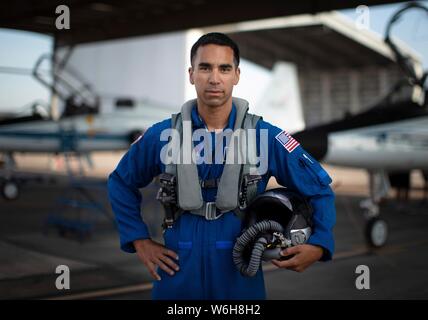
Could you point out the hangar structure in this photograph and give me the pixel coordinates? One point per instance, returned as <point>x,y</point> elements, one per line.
<point>342,69</point>
<point>97,20</point>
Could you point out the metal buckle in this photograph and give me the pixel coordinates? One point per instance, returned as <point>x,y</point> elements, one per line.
<point>211,211</point>
<point>251,179</point>
<point>210,183</point>
<point>167,223</point>
<point>167,179</point>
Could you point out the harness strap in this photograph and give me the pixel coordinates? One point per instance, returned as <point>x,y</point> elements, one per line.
<point>229,198</point>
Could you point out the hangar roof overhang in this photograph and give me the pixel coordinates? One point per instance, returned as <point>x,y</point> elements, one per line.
<point>322,41</point>
<point>97,20</point>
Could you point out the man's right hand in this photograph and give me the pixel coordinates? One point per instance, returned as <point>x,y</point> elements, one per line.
<point>154,254</point>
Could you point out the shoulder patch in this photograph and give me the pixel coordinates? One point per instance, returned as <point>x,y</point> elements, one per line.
<point>287,141</point>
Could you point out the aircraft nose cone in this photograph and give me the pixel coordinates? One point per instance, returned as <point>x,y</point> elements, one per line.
<point>314,141</point>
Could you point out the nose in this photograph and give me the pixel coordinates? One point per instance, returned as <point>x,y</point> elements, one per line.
<point>214,77</point>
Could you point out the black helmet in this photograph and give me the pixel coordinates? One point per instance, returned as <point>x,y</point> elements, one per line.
<point>274,220</point>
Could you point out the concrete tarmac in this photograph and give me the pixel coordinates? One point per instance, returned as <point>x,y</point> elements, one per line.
<point>34,242</point>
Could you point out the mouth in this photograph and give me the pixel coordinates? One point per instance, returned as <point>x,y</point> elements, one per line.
<point>214,92</point>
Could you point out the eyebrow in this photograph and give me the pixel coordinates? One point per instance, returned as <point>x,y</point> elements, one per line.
<point>206,64</point>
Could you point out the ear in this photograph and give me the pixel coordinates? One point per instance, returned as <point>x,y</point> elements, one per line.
<point>191,75</point>
<point>237,76</point>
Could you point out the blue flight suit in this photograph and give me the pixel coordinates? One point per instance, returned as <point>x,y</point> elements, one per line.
<point>205,246</point>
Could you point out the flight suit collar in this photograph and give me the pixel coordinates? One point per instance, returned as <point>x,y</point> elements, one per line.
<point>198,122</point>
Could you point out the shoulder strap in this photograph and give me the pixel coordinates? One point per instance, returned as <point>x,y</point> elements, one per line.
<point>248,180</point>
<point>189,190</point>
<point>251,163</point>
<point>171,168</point>
<point>228,189</point>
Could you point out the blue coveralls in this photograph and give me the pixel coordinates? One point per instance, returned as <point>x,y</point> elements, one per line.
<point>205,246</point>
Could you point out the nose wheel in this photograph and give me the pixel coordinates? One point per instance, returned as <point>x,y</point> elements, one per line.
<point>376,229</point>
<point>10,190</point>
<point>376,232</point>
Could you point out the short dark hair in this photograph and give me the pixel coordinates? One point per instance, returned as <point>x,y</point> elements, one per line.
<point>215,38</point>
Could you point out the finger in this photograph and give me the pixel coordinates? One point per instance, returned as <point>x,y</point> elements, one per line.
<point>164,267</point>
<point>290,251</point>
<point>169,262</point>
<point>279,264</point>
<point>171,253</point>
<point>276,263</point>
<point>288,264</point>
<point>299,269</point>
<point>152,270</point>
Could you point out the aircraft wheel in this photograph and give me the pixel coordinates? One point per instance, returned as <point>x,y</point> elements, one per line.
<point>376,232</point>
<point>10,190</point>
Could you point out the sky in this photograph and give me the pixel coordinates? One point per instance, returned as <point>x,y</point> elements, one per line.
<point>412,28</point>
<point>21,49</point>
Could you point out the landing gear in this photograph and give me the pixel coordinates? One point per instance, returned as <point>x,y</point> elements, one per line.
<point>376,232</point>
<point>10,190</point>
<point>9,187</point>
<point>376,229</point>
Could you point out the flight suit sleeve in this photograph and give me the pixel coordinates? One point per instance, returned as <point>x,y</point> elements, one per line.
<point>136,169</point>
<point>297,170</point>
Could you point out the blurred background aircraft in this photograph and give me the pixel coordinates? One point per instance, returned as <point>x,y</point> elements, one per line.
<point>88,122</point>
<point>391,136</point>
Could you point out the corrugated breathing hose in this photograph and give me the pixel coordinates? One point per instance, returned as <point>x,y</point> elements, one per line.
<point>253,233</point>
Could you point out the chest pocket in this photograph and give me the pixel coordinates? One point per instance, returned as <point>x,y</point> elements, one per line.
<point>314,169</point>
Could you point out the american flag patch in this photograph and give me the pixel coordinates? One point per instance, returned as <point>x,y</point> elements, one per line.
<point>287,141</point>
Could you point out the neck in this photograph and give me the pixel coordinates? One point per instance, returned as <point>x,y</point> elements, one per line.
<point>215,117</point>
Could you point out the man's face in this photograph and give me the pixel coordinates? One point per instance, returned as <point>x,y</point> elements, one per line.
<point>214,74</point>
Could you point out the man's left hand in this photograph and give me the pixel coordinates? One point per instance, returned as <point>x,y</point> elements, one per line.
<point>304,256</point>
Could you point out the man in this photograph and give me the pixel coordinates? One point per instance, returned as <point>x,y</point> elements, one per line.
<point>196,261</point>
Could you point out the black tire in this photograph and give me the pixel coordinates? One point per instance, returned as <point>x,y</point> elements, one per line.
<point>376,232</point>
<point>10,190</point>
